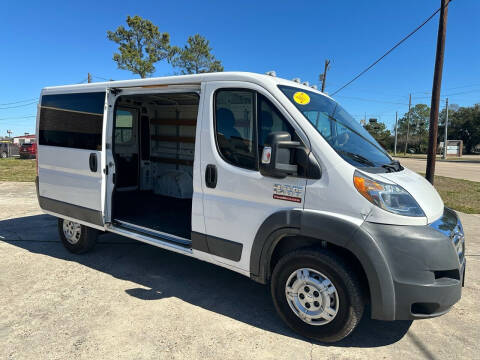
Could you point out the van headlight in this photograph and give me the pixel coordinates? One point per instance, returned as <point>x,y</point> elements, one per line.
<point>389,197</point>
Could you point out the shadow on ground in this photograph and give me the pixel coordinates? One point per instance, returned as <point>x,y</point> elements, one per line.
<point>161,274</point>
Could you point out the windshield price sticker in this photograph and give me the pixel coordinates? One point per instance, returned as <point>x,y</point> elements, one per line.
<point>301,98</point>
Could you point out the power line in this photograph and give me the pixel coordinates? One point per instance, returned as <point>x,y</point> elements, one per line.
<point>449,88</point>
<point>17,106</point>
<point>19,101</point>
<point>389,51</point>
<point>450,94</point>
<point>370,100</point>
<point>101,78</point>
<point>17,117</point>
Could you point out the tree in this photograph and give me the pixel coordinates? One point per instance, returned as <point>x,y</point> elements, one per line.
<point>195,57</point>
<point>380,133</point>
<point>418,129</point>
<point>140,46</point>
<point>464,124</point>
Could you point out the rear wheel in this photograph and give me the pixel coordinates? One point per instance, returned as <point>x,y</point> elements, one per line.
<point>317,294</point>
<point>75,237</point>
<point>3,155</point>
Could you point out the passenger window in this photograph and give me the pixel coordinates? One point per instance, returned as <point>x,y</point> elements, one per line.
<point>124,126</point>
<point>270,120</point>
<point>235,127</point>
<point>321,121</point>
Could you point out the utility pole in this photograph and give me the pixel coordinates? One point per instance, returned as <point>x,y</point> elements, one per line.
<point>89,78</point>
<point>323,77</point>
<point>408,123</point>
<point>396,123</point>
<point>437,84</point>
<point>9,132</point>
<point>445,138</point>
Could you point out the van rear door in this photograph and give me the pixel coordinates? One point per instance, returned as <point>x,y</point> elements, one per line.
<point>69,130</point>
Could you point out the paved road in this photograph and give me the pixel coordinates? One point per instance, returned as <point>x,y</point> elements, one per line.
<point>454,169</point>
<point>129,300</point>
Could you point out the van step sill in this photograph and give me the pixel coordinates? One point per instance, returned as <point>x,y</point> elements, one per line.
<point>177,240</point>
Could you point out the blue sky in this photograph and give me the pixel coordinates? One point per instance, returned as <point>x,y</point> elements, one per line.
<point>58,42</point>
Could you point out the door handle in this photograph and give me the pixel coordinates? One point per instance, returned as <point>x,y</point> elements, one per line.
<point>92,161</point>
<point>211,176</point>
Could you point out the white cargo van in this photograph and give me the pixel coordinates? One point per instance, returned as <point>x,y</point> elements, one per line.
<point>263,176</point>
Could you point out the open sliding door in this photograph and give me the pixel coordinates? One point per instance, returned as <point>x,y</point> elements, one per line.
<point>70,153</point>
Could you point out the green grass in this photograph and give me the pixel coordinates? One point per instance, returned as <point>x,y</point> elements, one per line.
<point>14,169</point>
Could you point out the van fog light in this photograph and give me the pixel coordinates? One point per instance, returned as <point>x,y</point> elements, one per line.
<point>390,197</point>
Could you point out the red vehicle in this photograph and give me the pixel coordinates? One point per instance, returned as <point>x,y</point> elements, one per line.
<point>28,151</point>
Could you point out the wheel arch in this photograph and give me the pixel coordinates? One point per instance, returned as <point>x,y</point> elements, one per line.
<point>308,228</point>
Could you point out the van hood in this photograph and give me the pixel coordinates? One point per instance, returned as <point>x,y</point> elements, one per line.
<point>423,192</point>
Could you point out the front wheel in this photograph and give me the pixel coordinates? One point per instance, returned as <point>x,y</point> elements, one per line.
<point>3,155</point>
<point>77,238</point>
<point>317,294</point>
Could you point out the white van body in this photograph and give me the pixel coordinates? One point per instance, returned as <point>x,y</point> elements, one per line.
<point>103,146</point>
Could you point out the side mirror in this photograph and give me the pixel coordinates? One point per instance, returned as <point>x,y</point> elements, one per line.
<point>282,157</point>
<point>277,155</point>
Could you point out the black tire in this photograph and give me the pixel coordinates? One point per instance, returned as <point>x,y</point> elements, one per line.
<point>3,155</point>
<point>351,302</point>
<point>85,243</point>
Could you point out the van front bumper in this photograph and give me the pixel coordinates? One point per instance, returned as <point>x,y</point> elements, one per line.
<point>426,264</point>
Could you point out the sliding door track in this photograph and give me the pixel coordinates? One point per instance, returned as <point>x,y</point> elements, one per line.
<point>150,236</point>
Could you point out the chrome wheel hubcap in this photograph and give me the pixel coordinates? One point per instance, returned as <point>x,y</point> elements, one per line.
<point>312,296</point>
<point>72,231</point>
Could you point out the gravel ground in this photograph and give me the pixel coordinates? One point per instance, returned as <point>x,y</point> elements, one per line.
<point>129,300</point>
<point>455,169</point>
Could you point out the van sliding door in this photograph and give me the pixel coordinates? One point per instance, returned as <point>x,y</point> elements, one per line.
<point>70,156</point>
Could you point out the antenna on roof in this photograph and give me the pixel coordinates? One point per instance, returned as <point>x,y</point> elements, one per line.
<point>297,80</point>
<point>271,73</point>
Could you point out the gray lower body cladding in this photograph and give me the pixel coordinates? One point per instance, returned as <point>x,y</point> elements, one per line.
<point>425,266</point>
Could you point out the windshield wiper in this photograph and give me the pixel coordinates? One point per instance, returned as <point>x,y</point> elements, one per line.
<point>357,158</point>
<point>394,166</point>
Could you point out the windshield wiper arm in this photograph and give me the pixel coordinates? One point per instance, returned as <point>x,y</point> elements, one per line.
<point>393,166</point>
<point>358,158</point>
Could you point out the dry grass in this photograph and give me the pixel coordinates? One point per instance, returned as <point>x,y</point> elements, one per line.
<point>461,195</point>
<point>14,169</point>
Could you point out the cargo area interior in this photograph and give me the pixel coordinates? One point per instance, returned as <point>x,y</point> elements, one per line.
<point>154,143</point>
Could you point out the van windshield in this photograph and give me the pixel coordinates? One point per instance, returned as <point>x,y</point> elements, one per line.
<point>345,135</point>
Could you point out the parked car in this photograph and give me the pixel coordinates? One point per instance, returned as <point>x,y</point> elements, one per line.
<point>28,151</point>
<point>264,176</point>
<point>8,149</point>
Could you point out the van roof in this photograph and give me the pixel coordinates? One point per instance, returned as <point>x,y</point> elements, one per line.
<point>194,79</point>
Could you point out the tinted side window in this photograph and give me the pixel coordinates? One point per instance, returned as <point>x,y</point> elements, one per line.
<point>270,120</point>
<point>235,127</point>
<point>72,120</point>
